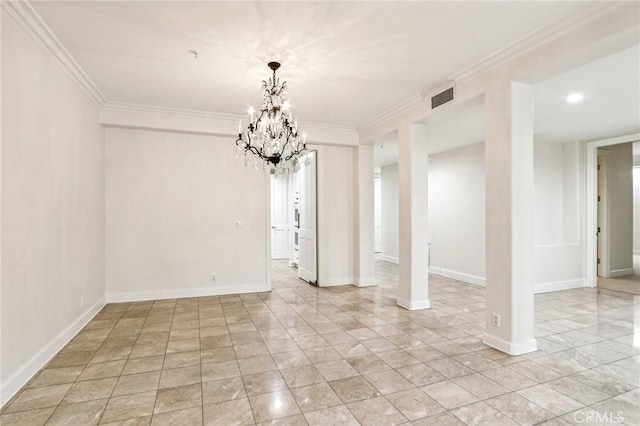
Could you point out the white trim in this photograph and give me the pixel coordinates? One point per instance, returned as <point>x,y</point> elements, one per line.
<point>267,225</point>
<point>127,115</point>
<point>31,22</point>
<point>390,259</point>
<point>511,348</point>
<point>396,110</point>
<point>621,272</point>
<point>365,282</point>
<point>412,306</point>
<point>335,281</point>
<point>602,210</point>
<point>535,39</point>
<point>17,380</point>
<point>591,222</point>
<point>558,285</point>
<point>460,276</point>
<point>214,290</point>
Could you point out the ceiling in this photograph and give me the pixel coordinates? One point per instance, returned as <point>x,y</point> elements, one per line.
<point>345,62</point>
<point>454,127</point>
<point>611,107</point>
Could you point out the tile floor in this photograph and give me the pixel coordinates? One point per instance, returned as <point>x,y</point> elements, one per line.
<point>302,355</point>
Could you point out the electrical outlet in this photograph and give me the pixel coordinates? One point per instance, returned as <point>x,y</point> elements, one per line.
<point>213,278</point>
<point>82,301</point>
<point>495,320</point>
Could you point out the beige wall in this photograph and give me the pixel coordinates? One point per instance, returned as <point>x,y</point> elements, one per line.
<point>457,213</point>
<point>620,207</point>
<point>389,214</point>
<point>172,203</point>
<point>52,208</point>
<point>335,215</point>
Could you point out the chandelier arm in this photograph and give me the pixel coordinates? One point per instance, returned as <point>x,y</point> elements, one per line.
<point>255,151</point>
<point>282,89</point>
<point>273,137</point>
<point>262,112</point>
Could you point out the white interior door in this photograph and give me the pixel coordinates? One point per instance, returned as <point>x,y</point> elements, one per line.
<point>280,225</point>
<point>308,267</point>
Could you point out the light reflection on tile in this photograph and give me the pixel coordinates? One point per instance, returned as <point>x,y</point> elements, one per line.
<point>302,354</point>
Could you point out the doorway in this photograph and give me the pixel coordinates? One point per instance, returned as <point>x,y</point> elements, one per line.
<point>614,185</point>
<point>281,218</point>
<point>292,222</point>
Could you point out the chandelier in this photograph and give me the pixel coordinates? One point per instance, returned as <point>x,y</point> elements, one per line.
<point>271,141</point>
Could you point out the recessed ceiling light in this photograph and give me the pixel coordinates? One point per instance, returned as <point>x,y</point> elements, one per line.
<point>575,98</point>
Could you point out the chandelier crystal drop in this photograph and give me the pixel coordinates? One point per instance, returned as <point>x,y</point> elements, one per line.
<point>272,140</point>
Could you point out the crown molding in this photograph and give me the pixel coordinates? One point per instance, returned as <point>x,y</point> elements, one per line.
<point>519,47</point>
<point>120,114</point>
<point>123,107</point>
<point>536,39</point>
<point>399,109</point>
<point>30,21</point>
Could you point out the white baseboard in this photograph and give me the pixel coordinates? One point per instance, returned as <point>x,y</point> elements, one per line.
<point>557,286</point>
<point>364,282</point>
<point>214,290</point>
<point>389,259</point>
<point>412,306</point>
<point>621,272</point>
<point>460,276</point>
<point>17,380</point>
<point>511,348</point>
<point>335,281</point>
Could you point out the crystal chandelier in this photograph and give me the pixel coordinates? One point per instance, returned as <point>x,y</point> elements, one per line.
<point>272,141</point>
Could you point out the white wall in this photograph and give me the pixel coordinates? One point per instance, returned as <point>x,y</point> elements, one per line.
<point>52,208</point>
<point>335,215</point>
<point>559,216</point>
<point>377,212</point>
<point>389,205</point>
<point>457,213</point>
<point>172,202</point>
<point>620,208</point>
<point>548,178</point>
<point>636,198</point>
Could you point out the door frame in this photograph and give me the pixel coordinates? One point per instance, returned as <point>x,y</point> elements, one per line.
<point>289,203</point>
<point>602,213</point>
<point>591,219</point>
<point>316,156</point>
<point>267,225</point>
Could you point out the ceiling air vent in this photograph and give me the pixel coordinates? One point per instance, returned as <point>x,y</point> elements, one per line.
<point>442,98</point>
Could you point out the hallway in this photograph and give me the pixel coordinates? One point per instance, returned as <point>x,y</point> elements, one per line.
<point>322,356</point>
<point>627,284</point>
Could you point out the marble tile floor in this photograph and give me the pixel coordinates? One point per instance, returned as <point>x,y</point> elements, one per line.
<point>344,355</point>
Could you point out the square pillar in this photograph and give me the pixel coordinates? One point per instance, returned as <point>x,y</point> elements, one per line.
<point>364,217</point>
<point>509,218</point>
<point>413,291</point>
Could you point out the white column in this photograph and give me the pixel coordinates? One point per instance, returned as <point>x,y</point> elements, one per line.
<point>413,291</point>
<point>509,220</point>
<point>364,217</point>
